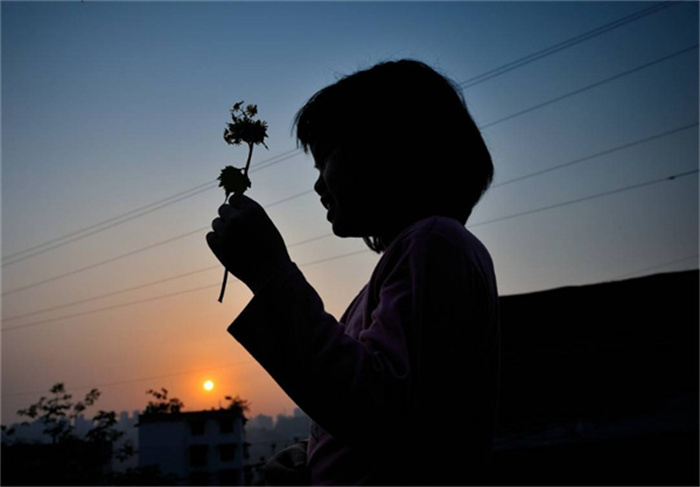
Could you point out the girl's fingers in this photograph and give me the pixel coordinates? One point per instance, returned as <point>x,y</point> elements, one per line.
<point>227,211</point>
<point>217,225</point>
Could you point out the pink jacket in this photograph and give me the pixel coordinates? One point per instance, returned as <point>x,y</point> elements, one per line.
<point>403,389</point>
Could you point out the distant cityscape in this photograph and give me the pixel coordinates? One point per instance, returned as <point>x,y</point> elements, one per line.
<point>265,434</point>
<point>262,436</point>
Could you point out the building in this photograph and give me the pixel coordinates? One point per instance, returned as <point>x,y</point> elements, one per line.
<point>198,448</point>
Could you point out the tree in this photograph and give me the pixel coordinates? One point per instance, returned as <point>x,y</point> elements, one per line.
<point>237,403</point>
<point>162,404</point>
<point>68,459</point>
<point>58,413</point>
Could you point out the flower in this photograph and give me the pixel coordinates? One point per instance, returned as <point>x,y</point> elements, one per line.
<point>243,128</point>
<point>246,130</point>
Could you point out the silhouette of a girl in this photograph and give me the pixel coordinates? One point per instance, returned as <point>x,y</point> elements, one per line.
<point>401,164</point>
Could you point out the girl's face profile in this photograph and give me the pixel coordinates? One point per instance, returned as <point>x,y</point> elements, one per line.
<point>345,191</point>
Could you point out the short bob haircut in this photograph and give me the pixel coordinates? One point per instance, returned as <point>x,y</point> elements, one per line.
<point>415,121</point>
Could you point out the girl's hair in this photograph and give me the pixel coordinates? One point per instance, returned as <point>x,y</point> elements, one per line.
<point>415,121</point>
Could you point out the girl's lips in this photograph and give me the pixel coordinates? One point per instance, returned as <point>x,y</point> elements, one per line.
<point>330,209</point>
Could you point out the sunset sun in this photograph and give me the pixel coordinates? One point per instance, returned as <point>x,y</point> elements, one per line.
<point>208,385</point>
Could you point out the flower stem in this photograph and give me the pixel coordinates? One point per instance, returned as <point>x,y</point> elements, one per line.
<point>223,286</point>
<point>250,156</point>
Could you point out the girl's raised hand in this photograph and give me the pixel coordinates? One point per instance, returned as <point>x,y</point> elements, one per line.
<point>247,243</point>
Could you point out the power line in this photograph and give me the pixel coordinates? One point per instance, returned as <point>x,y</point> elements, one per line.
<point>516,215</point>
<point>540,105</point>
<point>109,308</point>
<point>517,179</point>
<point>134,252</point>
<point>585,198</point>
<point>270,162</point>
<point>157,298</point>
<point>288,154</point>
<point>591,86</point>
<point>113,293</point>
<point>130,215</point>
<point>103,262</point>
<point>145,285</point>
<point>104,225</point>
<point>505,68</point>
<point>527,176</point>
<point>138,212</point>
<point>597,154</point>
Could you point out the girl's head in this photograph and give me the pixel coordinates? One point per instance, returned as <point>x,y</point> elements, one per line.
<point>393,144</point>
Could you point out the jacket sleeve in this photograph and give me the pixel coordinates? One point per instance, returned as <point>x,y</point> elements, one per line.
<point>370,384</point>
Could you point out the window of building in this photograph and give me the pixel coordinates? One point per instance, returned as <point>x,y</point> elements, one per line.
<point>198,455</point>
<point>226,425</point>
<point>246,450</point>
<point>227,451</point>
<point>229,476</point>
<point>197,427</point>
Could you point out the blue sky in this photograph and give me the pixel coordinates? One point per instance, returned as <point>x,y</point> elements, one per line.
<point>108,107</point>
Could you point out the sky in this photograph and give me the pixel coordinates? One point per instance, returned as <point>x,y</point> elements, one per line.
<point>112,123</point>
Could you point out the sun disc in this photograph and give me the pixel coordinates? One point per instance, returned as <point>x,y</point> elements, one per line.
<point>209,385</point>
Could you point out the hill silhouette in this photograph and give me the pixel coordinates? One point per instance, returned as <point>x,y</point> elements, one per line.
<point>622,355</point>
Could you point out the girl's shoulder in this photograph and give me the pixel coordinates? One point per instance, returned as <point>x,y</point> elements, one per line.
<point>433,243</point>
<point>437,232</point>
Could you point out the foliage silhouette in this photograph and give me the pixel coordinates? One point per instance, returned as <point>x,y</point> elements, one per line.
<point>161,404</point>
<point>70,458</point>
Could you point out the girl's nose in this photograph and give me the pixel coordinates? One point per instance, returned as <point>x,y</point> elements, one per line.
<point>320,185</point>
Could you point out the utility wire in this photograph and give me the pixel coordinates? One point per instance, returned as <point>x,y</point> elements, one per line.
<point>145,285</point>
<point>134,252</point>
<point>486,222</point>
<point>618,148</point>
<point>513,180</point>
<point>113,293</point>
<point>591,86</point>
<point>117,220</point>
<point>283,156</point>
<point>466,84</point>
<point>559,98</point>
<point>130,215</point>
<point>493,73</point>
<point>103,262</point>
<point>245,362</point>
<point>527,176</point>
<point>597,154</point>
<point>157,298</point>
<point>585,198</point>
<point>102,226</point>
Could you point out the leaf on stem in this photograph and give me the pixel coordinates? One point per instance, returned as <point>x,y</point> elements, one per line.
<point>233,180</point>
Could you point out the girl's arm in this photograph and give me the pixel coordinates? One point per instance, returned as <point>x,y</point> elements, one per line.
<point>410,356</point>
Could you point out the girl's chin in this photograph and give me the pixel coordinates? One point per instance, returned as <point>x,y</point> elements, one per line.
<point>345,229</point>
<point>354,225</point>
